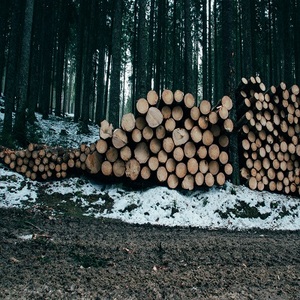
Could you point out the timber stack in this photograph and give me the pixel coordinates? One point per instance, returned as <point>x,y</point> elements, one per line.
<point>170,141</point>
<point>41,162</point>
<point>269,132</point>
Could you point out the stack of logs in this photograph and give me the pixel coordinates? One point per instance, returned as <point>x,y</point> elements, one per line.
<point>170,141</point>
<point>40,162</point>
<point>269,130</point>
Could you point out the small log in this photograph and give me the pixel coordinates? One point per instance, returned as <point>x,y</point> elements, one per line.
<point>205,107</point>
<point>119,138</point>
<point>145,172</point>
<point>125,153</point>
<point>167,97</point>
<point>142,106</point>
<point>119,168</point>
<point>106,130</point>
<point>152,97</point>
<point>189,100</point>
<point>178,96</point>
<point>178,154</point>
<point>132,169</point>
<point>93,163</point>
<point>162,174</point>
<point>141,152</point>
<point>188,182</point>
<point>172,181</point>
<point>106,168</point>
<point>180,136</point>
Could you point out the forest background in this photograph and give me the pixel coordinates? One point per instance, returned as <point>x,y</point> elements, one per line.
<point>93,59</point>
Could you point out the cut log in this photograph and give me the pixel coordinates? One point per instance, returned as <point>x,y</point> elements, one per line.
<point>133,169</point>
<point>189,100</point>
<point>168,144</point>
<point>171,165</point>
<point>136,135</point>
<point>188,182</point>
<point>178,154</point>
<point>180,136</point>
<point>196,134</point>
<point>205,107</point>
<point>106,168</point>
<point>152,97</point>
<point>177,113</point>
<point>128,122</point>
<point>153,163</point>
<point>145,172</point>
<point>172,181</point>
<point>119,138</point>
<point>160,132</point>
<point>93,163</point>
<point>119,168</point>
<point>155,145</point>
<point>106,130</point>
<point>141,153</point>
<point>112,154</point>
<point>147,133</point>
<point>167,97</point>
<point>162,174</point>
<point>178,96</point>
<point>125,153</point>
<point>142,106</point>
<point>154,117</point>
<point>181,170</point>
<point>189,149</point>
<point>140,123</point>
<point>170,125</point>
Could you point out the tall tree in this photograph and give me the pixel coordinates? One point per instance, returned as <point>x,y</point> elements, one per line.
<point>11,74</point>
<point>229,73</point>
<point>114,102</point>
<point>20,118</point>
<point>142,53</point>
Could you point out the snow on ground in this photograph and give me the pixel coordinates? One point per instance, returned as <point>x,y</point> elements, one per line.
<point>231,207</point>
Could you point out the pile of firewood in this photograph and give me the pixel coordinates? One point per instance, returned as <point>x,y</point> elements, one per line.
<point>41,162</point>
<point>269,127</point>
<point>171,140</point>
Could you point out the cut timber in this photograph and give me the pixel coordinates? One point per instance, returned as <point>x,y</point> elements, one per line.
<point>205,107</point>
<point>177,113</point>
<point>106,168</point>
<point>145,172</point>
<point>188,182</point>
<point>93,162</point>
<point>189,100</point>
<point>178,154</point>
<point>101,146</point>
<point>136,135</point>
<point>112,154</point>
<point>160,132</point>
<point>180,136</point>
<point>178,96</point>
<point>167,97</point>
<point>166,112</point>
<point>192,166</point>
<point>228,125</point>
<point>142,106</point>
<point>128,122</point>
<point>119,168</point>
<point>141,152</point>
<point>119,138</point>
<point>168,144</point>
<point>196,134</point>
<point>189,149</point>
<point>172,181</point>
<point>162,174</point>
<point>152,97</point>
<point>133,169</point>
<point>106,130</point>
<point>170,124</point>
<point>125,153</point>
<point>207,138</point>
<point>181,170</point>
<point>209,180</point>
<point>171,165</point>
<point>155,145</point>
<point>140,123</point>
<point>147,133</point>
<point>199,179</point>
<point>154,117</point>
<point>195,113</point>
<point>153,163</point>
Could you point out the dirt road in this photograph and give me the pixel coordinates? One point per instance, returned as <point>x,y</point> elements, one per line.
<point>45,257</point>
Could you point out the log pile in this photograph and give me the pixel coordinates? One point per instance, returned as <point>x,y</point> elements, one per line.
<point>40,162</point>
<point>269,131</point>
<point>171,141</point>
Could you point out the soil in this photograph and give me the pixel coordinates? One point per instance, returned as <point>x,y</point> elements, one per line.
<point>65,257</point>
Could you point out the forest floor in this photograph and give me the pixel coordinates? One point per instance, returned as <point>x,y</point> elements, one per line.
<point>71,257</point>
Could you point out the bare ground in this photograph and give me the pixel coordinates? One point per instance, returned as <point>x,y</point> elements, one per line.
<point>83,258</point>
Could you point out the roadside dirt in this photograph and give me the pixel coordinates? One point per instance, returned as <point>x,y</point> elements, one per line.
<point>46,257</point>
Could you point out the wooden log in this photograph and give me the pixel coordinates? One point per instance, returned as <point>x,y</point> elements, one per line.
<point>166,112</point>
<point>142,106</point>
<point>213,151</point>
<point>188,124</point>
<point>207,138</point>
<point>192,166</point>
<point>177,113</point>
<point>178,96</point>
<point>220,179</point>
<point>196,134</point>
<point>209,179</point>
<point>180,136</point>
<point>155,145</point>
<point>170,165</point>
<point>188,182</point>
<point>181,170</point>
<point>106,130</point>
<point>152,97</point>
<point>178,154</point>
<point>93,163</point>
<point>205,107</point>
<point>132,169</point>
<point>154,117</point>
<point>162,156</point>
<point>118,168</point>
<point>189,149</point>
<point>170,125</point>
<point>203,166</point>
<point>136,135</point>
<point>112,154</point>
<point>125,153</point>
<point>141,153</point>
<point>203,122</point>
<point>106,168</point>
<point>160,132</point>
<point>167,97</point>
<point>119,138</point>
<point>189,100</point>
<point>140,123</point>
<point>145,172</point>
<point>202,152</point>
<point>195,113</point>
<point>147,133</point>
<point>128,122</point>
<point>162,174</point>
<point>168,144</point>
<point>153,163</point>
<point>172,181</point>
<point>199,179</point>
